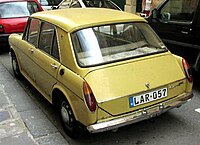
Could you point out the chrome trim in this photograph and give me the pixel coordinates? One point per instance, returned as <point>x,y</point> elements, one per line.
<point>141,114</point>
<point>4,35</point>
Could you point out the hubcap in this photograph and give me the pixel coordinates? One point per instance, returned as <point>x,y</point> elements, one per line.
<point>65,115</point>
<point>14,64</point>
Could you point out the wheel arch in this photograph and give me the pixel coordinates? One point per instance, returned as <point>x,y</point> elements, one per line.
<point>17,71</point>
<point>12,52</point>
<point>59,93</point>
<point>78,106</point>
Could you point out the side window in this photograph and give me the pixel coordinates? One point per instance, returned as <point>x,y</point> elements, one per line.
<point>32,7</point>
<point>33,31</point>
<point>48,40</point>
<point>54,51</point>
<point>46,37</point>
<point>179,10</point>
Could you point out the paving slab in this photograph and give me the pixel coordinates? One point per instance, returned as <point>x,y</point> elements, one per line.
<point>12,128</point>
<point>22,122</point>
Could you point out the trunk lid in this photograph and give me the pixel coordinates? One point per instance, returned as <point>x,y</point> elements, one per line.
<point>113,86</point>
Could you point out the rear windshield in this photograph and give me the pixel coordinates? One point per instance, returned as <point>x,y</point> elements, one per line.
<point>116,42</point>
<point>17,9</point>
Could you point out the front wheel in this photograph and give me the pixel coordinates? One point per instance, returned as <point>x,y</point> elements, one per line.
<point>68,120</point>
<point>15,66</point>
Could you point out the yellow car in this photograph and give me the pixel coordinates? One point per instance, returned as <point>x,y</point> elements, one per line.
<point>102,68</point>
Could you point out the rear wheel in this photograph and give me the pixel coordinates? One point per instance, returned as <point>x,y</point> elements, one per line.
<point>68,120</point>
<point>15,66</point>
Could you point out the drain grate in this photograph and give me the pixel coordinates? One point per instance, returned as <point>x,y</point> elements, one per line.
<point>4,115</point>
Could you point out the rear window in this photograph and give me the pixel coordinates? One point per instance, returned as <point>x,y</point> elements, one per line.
<point>116,42</point>
<point>17,9</point>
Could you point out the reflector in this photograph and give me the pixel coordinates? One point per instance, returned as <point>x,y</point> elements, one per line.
<point>188,70</point>
<point>89,97</point>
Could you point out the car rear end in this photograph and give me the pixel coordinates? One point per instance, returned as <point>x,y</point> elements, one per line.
<point>13,17</point>
<point>133,76</point>
<point>132,92</point>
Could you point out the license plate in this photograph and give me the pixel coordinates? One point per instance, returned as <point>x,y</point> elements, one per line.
<point>147,97</point>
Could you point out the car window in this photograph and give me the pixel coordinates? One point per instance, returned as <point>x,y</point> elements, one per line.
<point>55,51</point>
<point>46,37</point>
<point>17,9</point>
<point>75,4</point>
<point>88,3</point>
<point>33,31</point>
<point>48,40</point>
<point>44,2</point>
<point>110,43</point>
<point>179,10</point>
<point>100,4</point>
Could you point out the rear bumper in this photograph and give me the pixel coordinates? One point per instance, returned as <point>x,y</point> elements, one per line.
<point>140,115</point>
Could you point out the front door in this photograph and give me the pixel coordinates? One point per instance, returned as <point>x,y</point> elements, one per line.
<point>175,25</point>
<point>30,42</point>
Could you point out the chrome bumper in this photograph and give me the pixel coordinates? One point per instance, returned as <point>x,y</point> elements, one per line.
<point>140,115</point>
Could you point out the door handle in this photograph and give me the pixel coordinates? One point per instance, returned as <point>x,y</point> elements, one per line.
<point>31,50</point>
<point>54,66</point>
<point>186,30</point>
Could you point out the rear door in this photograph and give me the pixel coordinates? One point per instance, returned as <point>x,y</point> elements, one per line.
<point>47,59</point>
<point>175,25</point>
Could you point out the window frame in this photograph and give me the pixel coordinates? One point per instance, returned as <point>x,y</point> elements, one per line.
<point>168,14</point>
<point>54,36</point>
<point>74,34</point>
<point>27,31</point>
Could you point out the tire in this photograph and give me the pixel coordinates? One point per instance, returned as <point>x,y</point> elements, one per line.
<point>68,120</point>
<point>15,67</point>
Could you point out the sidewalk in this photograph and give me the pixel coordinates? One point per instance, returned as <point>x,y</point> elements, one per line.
<point>21,121</point>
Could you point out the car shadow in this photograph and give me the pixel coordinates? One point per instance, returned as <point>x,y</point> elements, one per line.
<point>196,78</point>
<point>142,132</point>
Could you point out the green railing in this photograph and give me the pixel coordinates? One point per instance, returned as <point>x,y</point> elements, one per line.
<point>120,3</point>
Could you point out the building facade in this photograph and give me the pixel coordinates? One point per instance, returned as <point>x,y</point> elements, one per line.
<point>136,3</point>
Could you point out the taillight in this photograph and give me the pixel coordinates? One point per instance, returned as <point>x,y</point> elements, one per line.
<point>89,97</point>
<point>188,70</point>
<point>1,29</point>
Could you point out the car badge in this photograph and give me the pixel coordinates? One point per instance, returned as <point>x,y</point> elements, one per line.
<point>147,85</point>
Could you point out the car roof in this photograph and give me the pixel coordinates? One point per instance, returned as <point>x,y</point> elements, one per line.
<point>77,18</point>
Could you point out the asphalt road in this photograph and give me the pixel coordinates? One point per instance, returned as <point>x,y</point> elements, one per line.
<point>179,126</point>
